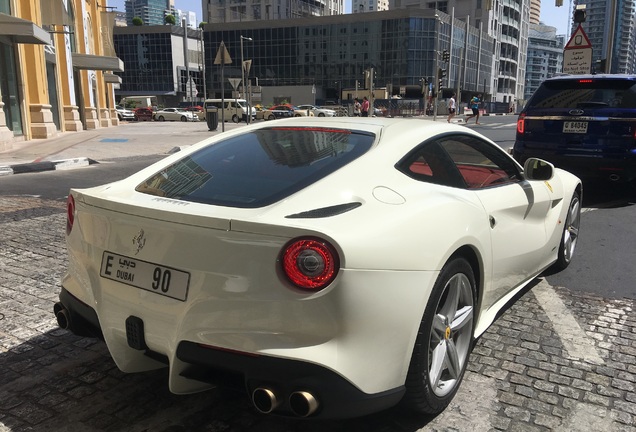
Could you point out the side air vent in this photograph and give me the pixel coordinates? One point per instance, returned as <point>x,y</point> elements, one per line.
<point>325,211</point>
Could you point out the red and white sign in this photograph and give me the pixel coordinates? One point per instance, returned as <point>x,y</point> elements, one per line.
<point>577,54</point>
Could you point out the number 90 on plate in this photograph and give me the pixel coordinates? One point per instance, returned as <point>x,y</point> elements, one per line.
<point>145,275</point>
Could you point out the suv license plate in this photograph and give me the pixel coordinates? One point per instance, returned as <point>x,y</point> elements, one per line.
<point>147,276</point>
<point>574,127</point>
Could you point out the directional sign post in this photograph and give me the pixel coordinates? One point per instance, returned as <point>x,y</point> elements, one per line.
<point>222,58</point>
<point>577,54</point>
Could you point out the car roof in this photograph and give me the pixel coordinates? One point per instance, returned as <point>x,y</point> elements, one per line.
<point>593,77</point>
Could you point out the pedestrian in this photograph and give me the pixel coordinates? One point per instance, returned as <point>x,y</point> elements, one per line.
<point>474,104</point>
<point>452,109</point>
<point>365,107</point>
<point>356,107</point>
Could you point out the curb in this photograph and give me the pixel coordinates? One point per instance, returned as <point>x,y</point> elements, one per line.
<point>32,167</point>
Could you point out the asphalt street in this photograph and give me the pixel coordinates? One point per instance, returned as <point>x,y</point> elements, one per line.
<point>556,360</point>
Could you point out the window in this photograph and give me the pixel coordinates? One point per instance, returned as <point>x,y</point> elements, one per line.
<point>460,161</point>
<point>258,168</point>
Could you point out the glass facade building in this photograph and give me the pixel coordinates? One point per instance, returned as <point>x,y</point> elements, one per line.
<point>155,61</point>
<point>402,46</point>
<point>151,12</point>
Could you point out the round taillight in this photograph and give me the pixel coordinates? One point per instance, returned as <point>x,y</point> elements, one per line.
<point>70,213</point>
<point>310,263</point>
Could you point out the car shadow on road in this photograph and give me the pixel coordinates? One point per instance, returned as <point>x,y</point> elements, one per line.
<point>57,381</point>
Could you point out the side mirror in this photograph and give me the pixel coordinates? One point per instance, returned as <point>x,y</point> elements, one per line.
<point>538,169</point>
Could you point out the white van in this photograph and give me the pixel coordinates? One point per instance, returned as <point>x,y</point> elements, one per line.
<point>235,109</point>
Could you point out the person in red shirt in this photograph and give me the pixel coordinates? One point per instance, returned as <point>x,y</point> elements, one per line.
<point>365,107</point>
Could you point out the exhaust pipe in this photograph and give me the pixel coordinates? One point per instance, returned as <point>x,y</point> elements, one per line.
<point>62,315</point>
<point>303,403</point>
<point>265,400</point>
<point>614,177</point>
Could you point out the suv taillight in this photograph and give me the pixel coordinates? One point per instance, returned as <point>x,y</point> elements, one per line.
<point>521,123</point>
<point>310,263</point>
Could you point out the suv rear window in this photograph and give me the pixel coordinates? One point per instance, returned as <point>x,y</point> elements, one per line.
<point>258,168</point>
<point>585,93</point>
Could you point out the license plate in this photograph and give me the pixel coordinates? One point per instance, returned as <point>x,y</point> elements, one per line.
<point>575,127</point>
<point>144,275</point>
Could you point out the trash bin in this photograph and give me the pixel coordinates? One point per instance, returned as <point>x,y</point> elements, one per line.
<point>212,118</point>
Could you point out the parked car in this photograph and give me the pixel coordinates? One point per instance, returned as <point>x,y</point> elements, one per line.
<point>318,111</point>
<point>175,114</point>
<point>278,111</point>
<point>124,114</point>
<point>259,112</point>
<point>197,110</point>
<point>235,110</point>
<point>299,258</point>
<point>583,124</point>
<point>143,114</point>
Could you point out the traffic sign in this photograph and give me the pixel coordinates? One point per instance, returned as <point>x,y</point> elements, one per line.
<point>222,55</point>
<point>577,54</point>
<point>247,64</point>
<point>234,81</point>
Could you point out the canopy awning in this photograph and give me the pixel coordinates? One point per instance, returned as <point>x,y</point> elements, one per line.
<point>111,78</point>
<point>23,31</point>
<point>95,62</point>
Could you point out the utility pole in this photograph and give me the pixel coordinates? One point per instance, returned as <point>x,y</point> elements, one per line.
<point>185,56</point>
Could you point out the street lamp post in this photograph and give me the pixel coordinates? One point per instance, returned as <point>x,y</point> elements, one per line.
<point>249,108</point>
<point>436,66</point>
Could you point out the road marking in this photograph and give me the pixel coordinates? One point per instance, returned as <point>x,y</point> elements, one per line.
<point>584,416</point>
<point>473,405</point>
<point>574,339</point>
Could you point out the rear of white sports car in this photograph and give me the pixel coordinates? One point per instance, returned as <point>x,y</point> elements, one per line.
<point>253,276</point>
<point>308,263</point>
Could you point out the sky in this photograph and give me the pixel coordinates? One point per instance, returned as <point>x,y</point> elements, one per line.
<point>556,16</point>
<point>550,14</point>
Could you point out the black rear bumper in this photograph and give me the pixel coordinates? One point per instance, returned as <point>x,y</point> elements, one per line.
<point>337,397</point>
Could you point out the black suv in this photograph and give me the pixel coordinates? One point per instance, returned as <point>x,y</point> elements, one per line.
<point>585,124</point>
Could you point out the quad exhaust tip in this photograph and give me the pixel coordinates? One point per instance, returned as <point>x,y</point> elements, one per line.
<point>265,400</point>
<point>62,316</point>
<point>303,403</point>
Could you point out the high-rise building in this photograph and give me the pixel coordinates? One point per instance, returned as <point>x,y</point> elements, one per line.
<point>359,6</point>
<point>221,11</point>
<point>151,12</point>
<point>504,20</point>
<point>619,33</point>
<point>335,53</point>
<point>535,11</point>
<point>545,56</point>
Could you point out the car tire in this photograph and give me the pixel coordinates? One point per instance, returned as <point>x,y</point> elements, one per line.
<point>321,114</point>
<point>161,118</point>
<point>184,119</point>
<point>444,340</point>
<point>271,117</point>
<point>235,118</point>
<point>570,235</point>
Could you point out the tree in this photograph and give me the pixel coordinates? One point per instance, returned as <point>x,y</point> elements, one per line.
<point>201,24</point>
<point>137,21</point>
<point>170,19</point>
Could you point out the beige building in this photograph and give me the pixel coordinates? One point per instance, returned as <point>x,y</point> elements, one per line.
<point>56,64</point>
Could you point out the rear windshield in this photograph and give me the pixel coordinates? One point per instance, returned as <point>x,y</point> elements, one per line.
<point>258,168</point>
<point>585,93</point>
